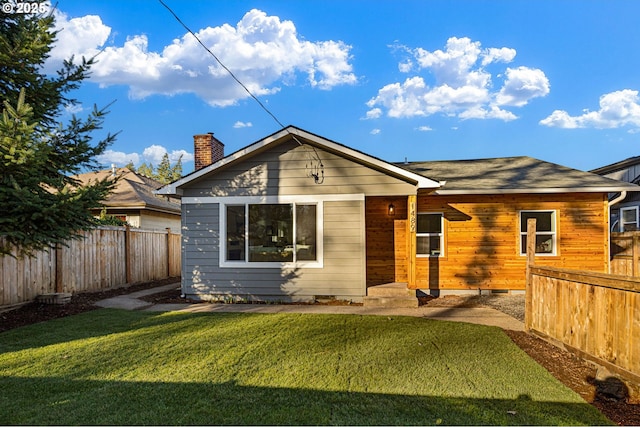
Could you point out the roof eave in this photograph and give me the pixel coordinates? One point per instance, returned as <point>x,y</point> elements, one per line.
<point>614,167</point>
<point>444,192</point>
<point>143,206</point>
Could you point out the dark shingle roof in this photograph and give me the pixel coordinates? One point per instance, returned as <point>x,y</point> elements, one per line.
<point>512,175</point>
<point>603,170</point>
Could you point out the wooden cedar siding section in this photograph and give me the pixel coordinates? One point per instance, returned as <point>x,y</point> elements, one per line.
<point>284,169</point>
<point>386,240</point>
<point>482,237</point>
<point>342,275</point>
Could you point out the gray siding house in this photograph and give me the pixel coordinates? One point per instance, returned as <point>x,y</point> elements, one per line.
<point>624,207</point>
<point>297,217</point>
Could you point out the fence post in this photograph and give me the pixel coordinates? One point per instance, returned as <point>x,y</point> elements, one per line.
<point>169,254</point>
<point>531,256</point>
<point>127,253</point>
<point>635,255</point>
<point>58,268</point>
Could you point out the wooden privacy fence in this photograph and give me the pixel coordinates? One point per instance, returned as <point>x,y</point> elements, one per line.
<point>107,257</point>
<point>594,315</point>
<point>625,253</point>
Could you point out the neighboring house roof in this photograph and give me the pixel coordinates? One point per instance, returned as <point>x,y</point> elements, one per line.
<point>513,175</point>
<point>627,170</point>
<point>613,167</point>
<point>133,191</point>
<point>480,176</point>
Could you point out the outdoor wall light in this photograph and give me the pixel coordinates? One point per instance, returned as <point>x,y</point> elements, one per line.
<point>392,209</point>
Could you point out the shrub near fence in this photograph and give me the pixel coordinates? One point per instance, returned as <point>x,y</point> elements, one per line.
<point>107,257</point>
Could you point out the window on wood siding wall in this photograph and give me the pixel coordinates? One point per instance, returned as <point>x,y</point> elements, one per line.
<point>545,231</point>
<point>429,235</point>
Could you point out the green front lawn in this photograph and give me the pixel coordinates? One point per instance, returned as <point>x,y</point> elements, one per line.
<point>122,367</point>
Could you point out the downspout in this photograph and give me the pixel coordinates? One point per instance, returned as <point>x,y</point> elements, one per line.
<point>618,199</point>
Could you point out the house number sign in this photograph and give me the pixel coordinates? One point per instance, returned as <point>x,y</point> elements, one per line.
<point>412,217</point>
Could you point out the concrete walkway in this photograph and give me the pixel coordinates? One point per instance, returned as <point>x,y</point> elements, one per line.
<point>478,315</point>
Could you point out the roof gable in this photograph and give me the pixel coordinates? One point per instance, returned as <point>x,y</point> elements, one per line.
<point>302,137</point>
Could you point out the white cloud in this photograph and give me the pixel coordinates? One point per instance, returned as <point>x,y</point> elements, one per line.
<point>174,155</point>
<point>82,36</point>
<point>617,109</point>
<point>73,109</point>
<point>374,113</point>
<point>462,85</point>
<point>239,125</point>
<point>521,85</point>
<point>261,50</point>
<point>424,128</point>
<point>119,158</point>
<point>405,67</point>
<point>492,113</point>
<point>152,154</point>
<point>493,54</point>
<point>375,131</point>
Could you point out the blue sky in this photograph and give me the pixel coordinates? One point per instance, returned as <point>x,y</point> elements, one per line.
<point>423,80</point>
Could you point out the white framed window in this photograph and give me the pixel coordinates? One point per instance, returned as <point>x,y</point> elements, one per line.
<point>629,219</point>
<point>429,234</point>
<point>269,232</point>
<point>545,232</point>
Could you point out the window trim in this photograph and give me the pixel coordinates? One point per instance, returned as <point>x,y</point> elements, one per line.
<point>621,222</point>
<point>553,232</point>
<point>246,201</point>
<point>441,234</point>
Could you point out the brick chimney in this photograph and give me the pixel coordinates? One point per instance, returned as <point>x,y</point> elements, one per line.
<point>206,150</point>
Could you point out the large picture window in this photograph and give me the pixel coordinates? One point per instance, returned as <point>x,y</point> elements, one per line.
<point>429,235</point>
<point>271,233</point>
<point>545,231</point>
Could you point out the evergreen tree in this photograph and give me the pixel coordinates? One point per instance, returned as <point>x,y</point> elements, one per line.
<point>41,205</point>
<point>107,219</point>
<point>176,171</point>
<point>163,172</point>
<point>145,170</point>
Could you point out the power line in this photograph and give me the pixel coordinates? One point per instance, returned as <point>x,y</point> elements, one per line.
<point>318,170</point>
<point>221,64</point>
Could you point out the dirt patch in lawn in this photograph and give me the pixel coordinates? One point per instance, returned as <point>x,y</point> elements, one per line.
<point>567,368</point>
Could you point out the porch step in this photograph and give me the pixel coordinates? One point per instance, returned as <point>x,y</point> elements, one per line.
<point>394,295</point>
